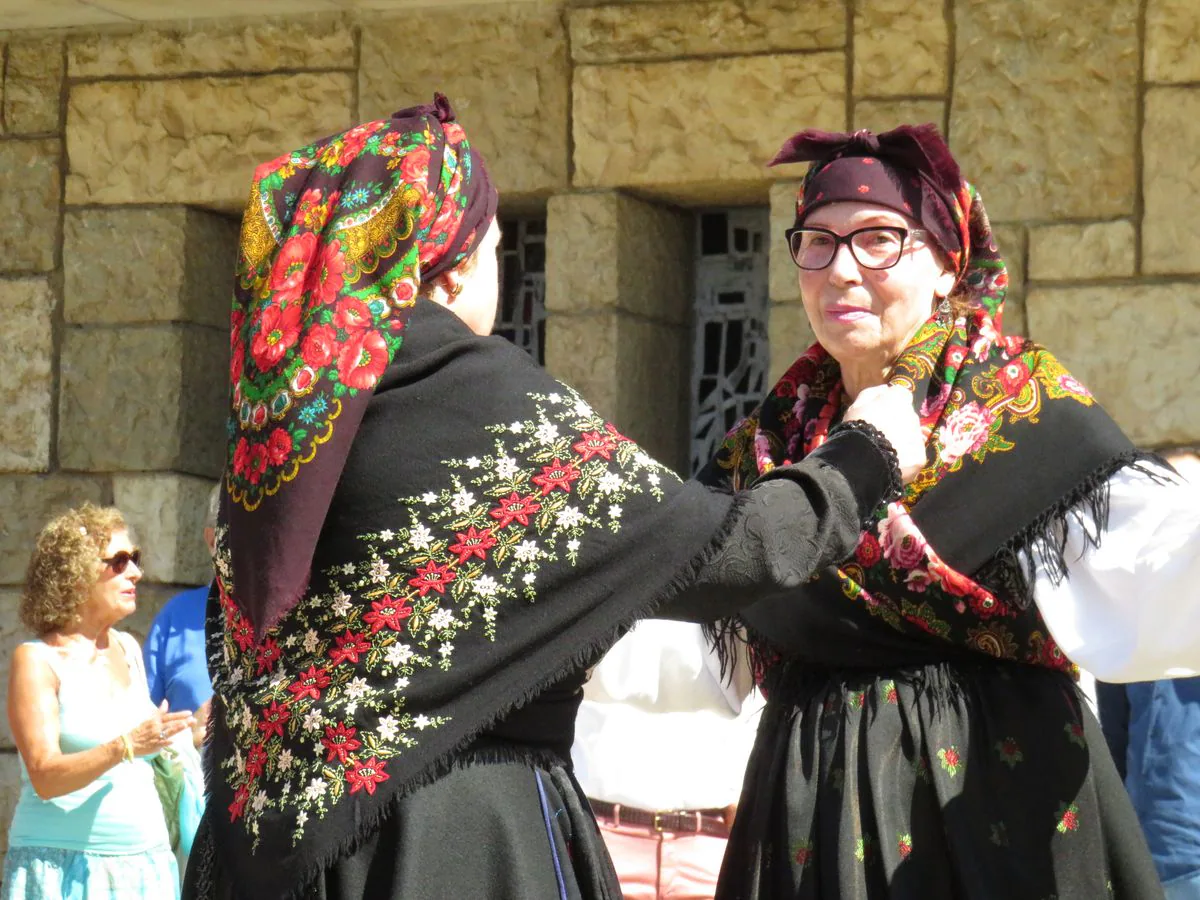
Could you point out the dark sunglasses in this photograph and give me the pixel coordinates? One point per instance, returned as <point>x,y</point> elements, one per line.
<point>120,560</point>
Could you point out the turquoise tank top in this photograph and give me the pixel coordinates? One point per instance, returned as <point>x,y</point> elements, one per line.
<point>117,813</point>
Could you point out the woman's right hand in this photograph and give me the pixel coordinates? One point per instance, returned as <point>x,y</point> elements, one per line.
<point>890,409</point>
<point>156,732</point>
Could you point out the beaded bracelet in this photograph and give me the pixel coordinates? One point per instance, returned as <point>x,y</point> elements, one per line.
<point>895,488</point>
<point>127,755</point>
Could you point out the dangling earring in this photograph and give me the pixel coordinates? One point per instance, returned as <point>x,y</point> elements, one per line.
<point>454,292</point>
<point>943,310</point>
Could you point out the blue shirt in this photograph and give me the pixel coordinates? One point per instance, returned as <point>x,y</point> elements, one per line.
<point>174,652</point>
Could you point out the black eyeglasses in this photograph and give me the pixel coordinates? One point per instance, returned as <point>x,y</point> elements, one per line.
<point>877,247</point>
<point>120,560</point>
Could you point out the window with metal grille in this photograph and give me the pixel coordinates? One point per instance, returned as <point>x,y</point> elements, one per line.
<point>521,316</point>
<point>730,349</point>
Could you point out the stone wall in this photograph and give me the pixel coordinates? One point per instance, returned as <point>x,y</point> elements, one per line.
<point>126,152</point>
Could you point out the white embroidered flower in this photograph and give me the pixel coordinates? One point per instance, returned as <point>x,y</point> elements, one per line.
<point>285,760</point>
<point>526,551</point>
<point>259,801</point>
<point>399,654</point>
<point>388,727</point>
<point>387,534</point>
<point>312,721</point>
<point>315,789</point>
<point>644,459</point>
<point>530,577</point>
<point>568,517</point>
<point>445,650</point>
<point>247,717</point>
<point>555,398</point>
<point>462,502</point>
<point>312,640</point>
<point>351,707</point>
<point>614,511</point>
<point>341,604</point>
<point>582,409</point>
<point>357,688</point>
<point>301,818</point>
<point>236,676</point>
<point>486,586</point>
<point>318,748</point>
<point>348,569</point>
<point>422,722</point>
<point>610,483</point>
<point>238,762</point>
<point>516,427</point>
<point>429,497</point>
<point>441,618</point>
<point>420,537</point>
<point>573,545</point>
<point>401,683</point>
<point>291,640</point>
<point>489,614</point>
<point>506,467</point>
<point>546,433</point>
<point>379,571</point>
<point>653,478</point>
<point>473,463</point>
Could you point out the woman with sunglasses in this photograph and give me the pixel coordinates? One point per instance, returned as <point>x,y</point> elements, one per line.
<point>88,822</point>
<point>924,736</point>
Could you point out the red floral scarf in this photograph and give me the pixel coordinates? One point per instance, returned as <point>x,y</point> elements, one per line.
<point>1015,443</point>
<point>336,240</point>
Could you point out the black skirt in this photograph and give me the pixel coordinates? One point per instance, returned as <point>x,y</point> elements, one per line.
<point>938,782</point>
<point>502,830</point>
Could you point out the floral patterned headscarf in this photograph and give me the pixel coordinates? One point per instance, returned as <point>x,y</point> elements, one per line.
<point>336,240</point>
<point>951,558</point>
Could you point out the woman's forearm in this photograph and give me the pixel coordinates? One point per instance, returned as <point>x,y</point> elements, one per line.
<point>62,773</point>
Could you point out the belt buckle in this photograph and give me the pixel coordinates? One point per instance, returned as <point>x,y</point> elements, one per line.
<point>657,824</point>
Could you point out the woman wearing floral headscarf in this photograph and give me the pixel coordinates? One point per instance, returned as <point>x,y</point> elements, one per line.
<point>424,540</point>
<point>923,736</point>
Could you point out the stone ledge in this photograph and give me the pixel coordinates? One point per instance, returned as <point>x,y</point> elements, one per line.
<point>1171,238</point>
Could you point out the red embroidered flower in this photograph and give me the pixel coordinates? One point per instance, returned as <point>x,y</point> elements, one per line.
<point>243,633</point>
<point>319,345</point>
<point>802,853</point>
<point>904,845</point>
<point>473,543</point>
<point>310,684</point>
<point>955,356</point>
<point>593,443</point>
<point>267,655</point>
<point>366,774</point>
<point>353,315</point>
<point>279,446</point>
<point>867,552</point>
<point>864,189</point>
<point>237,360</point>
<point>238,807</point>
<point>414,167</point>
<point>327,274</point>
<point>241,457</point>
<point>514,508</point>
<point>403,291</point>
<point>274,718</point>
<point>352,145</point>
<point>432,578</point>
<point>258,463</point>
<point>362,360</point>
<point>1068,818</point>
<point>349,647</point>
<point>278,329</point>
<point>1009,752</point>
<point>387,613</point>
<point>291,268</point>
<point>613,433</point>
<point>556,475</point>
<point>255,760</point>
<point>1014,375</point>
<point>950,759</point>
<point>340,742</point>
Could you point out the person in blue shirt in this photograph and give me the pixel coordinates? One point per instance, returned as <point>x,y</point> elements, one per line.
<point>1153,731</point>
<point>174,650</point>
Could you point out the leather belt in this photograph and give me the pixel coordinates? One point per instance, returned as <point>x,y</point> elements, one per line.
<point>677,821</point>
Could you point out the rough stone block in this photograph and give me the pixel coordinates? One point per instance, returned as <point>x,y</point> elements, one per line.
<point>30,188</point>
<point>148,265</point>
<point>1011,239</point>
<point>1172,52</point>
<point>783,284</point>
<point>167,511</point>
<point>884,115</point>
<point>1044,112</point>
<point>197,140</point>
<point>611,358</point>
<point>144,399</point>
<point>900,47</point>
<point>260,46</point>
<point>27,386</point>
<point>1120,341</point>
<point>512,99</point>
<point>33,86</point>
<point>1170,233</point>
<point>10,791</point>
<point>665,125</point>
<point>608,250</point>
<point>790,335</point>
<point>643,32</point>
<point>1081,252</point>
<point>35,499</point>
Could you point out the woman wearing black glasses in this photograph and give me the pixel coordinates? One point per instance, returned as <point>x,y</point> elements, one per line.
<point>88,822</point>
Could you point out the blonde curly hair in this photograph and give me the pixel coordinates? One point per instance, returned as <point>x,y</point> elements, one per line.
<point>65,564</point>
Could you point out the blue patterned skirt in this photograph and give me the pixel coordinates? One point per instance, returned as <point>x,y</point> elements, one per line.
<point>50,873</point>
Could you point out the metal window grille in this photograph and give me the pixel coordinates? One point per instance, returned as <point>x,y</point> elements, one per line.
<point>730,348</point>
<point>521,315</point>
